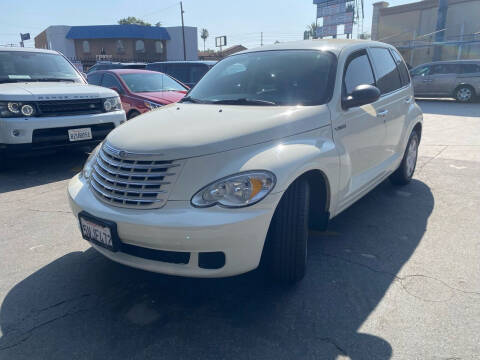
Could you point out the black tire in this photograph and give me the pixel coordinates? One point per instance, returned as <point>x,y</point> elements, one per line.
<point>132,114</point>
<point>403,175</point>
<point>464,94</point>
<point>288,235</point>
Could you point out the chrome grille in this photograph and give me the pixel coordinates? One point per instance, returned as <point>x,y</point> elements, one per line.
<point>132,180</point>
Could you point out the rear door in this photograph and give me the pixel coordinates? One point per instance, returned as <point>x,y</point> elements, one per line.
<point>393,103</point>
<point>443,78</point>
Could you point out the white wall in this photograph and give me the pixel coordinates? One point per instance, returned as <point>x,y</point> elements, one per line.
<point>56,40</point>
<point>175,44</point>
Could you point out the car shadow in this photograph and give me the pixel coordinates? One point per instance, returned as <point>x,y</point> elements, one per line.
<point>39,169</point>
<point>448,107</point>
<point>83,306</point>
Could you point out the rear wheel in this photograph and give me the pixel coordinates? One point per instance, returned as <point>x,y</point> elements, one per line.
<point>288,235</point>
<point>132,114</point>
<point>464,93</point>
<point>404,173</point>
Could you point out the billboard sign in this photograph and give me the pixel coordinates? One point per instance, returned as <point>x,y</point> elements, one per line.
<point>334,13</point>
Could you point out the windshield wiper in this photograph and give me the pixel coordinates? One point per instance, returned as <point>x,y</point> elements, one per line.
<point>244,101</point>
<point>53,79</point>
<point>192,100</point>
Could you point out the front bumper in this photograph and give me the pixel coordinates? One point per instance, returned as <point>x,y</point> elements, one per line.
<point>238,233</point>
<point>25,128</point>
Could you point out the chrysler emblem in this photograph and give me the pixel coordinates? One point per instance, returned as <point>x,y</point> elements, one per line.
<point>122,154</point>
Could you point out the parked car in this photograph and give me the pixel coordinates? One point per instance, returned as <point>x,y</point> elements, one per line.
<point>108,65</point>
<point>188,72</point>
<point>258,152</point>
<point>458,79</point>
<point>46,103</point>
<point>140,90</point>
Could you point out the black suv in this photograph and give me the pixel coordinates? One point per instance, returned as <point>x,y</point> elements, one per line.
<point>188,72</point>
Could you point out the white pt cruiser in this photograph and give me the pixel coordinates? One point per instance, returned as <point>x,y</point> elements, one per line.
<point>271,142</point>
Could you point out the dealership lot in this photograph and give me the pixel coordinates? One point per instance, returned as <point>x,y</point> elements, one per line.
<point>395,276</point>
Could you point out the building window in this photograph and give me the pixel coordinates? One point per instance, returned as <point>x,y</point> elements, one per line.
<point>86,46</point>
<point>120,47</point>
<point>140,46</point>
<point>159,47</point>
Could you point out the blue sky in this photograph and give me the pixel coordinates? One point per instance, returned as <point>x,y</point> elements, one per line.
<point>242,21</point>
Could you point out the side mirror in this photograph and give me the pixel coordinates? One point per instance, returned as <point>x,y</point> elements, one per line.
<point>361,95</point>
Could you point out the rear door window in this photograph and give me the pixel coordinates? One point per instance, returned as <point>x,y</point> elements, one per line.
<point>110,81</point>
<point>402,68</point>
<point>179,72</point>
<point>95,78</point>
<point>442,69</point>
<point>469,68</point>
<point>388,77</point>
<point>197,71</point>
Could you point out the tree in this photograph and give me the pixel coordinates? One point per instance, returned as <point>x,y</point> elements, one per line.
<point>133,20</point>
<point>158,24</point>
<point>204,35</point>
<point>312,29</point>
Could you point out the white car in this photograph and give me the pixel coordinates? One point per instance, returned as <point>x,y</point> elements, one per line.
<point>46,103</point>
<point>271,142</point>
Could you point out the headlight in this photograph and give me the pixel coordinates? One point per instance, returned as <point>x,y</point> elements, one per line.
<point>88,167</point>
<point>16,109</point>
<point>236,191</point>
<point>151,105</point>
<point>112,104</point>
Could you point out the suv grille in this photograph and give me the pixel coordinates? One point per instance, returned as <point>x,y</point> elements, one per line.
<point>69,107</point>
<point>138,181</point>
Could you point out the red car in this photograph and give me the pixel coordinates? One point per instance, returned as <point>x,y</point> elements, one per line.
<point>140,90</point>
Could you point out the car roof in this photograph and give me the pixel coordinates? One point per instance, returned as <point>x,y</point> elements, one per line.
<point>128,71</point>
<point>23,49</point>
<point>118,63</point>
<point>333,45</point>
<point>206,62</point>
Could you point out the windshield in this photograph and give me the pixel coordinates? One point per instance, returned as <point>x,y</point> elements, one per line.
<point>35,66</point>
<point>151,82</point>
<point>286,77</point>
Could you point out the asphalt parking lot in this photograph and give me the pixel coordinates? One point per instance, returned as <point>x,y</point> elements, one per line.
<point>395,276</point>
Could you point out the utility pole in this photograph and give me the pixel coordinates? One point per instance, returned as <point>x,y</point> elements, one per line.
<point>261,39</point>
<point>440,35</point>
<point>183,33</point>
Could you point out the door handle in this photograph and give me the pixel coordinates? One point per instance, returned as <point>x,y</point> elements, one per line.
<point>427,81</point>
<point>382,113</point>
<point>408,100</point>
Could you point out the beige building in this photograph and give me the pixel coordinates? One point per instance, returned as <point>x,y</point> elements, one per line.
<point>412,29</point>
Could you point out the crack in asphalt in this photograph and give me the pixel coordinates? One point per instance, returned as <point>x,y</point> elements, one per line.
<point>401,279</point>
<point>333,342</point>
<point>50,211</point>
<point>433,158</point>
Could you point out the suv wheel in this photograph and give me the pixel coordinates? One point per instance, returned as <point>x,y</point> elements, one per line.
<point>286,247</point>
<point>404,173</point>
<point>464,93</point>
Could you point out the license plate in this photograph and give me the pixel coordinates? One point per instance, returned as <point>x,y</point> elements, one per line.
<point>100,232</point>
<point>80,134</point>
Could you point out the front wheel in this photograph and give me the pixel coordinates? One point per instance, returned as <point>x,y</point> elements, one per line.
<point>288,235</point>
<point>464,94</point>
<point>404,173</point>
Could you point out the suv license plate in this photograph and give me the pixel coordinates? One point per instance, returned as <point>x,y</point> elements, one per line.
<point>99,232</point>
<point>80,134</point>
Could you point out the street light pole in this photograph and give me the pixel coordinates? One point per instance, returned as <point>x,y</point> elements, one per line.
<point>183,33</point>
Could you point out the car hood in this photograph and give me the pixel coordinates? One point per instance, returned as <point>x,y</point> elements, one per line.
<point>162,97</point>
<point>38,91</point>
<point>179,131</point>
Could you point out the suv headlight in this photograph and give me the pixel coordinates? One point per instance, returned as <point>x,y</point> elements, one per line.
<point>235,191</point>
<point>112,104</point>
<point>91,160</point>
<point>16,109</point>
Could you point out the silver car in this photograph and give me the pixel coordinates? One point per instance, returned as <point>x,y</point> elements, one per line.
<point>459,79</point>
